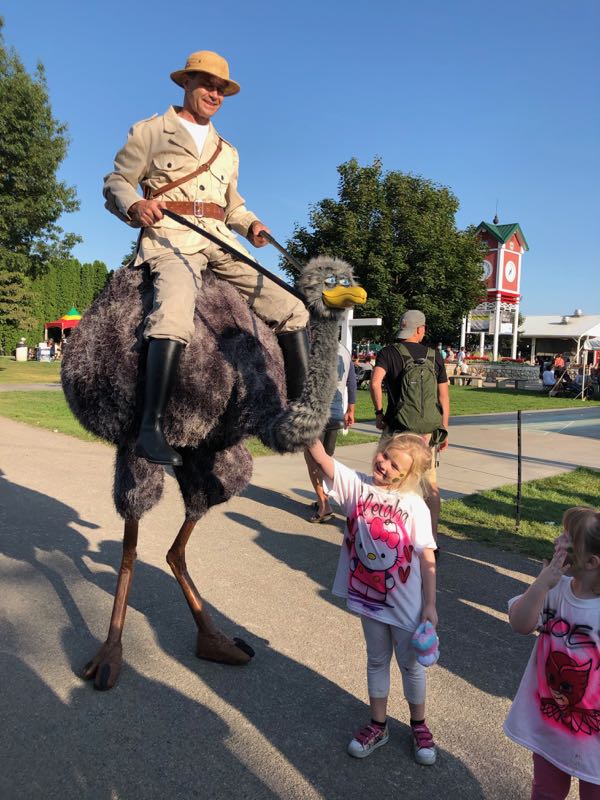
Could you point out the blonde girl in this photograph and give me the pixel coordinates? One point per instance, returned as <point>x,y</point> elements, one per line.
<point>386,571</point>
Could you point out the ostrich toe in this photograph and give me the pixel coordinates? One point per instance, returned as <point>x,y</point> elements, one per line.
<point>218,647</point>
<point>105,666</point>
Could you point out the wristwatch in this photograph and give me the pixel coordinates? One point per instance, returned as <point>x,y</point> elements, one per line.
<point>378,412</point>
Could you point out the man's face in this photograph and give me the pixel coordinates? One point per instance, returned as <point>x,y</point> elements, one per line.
<point>203,95</point>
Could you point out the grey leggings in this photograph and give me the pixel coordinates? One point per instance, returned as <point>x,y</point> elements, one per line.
<point>383,639</point>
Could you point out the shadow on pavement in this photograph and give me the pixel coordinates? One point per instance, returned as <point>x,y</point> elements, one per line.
<point>473,591</point>
<point>144,739</point>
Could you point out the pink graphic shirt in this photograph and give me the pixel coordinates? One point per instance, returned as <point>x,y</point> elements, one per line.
<point>556,712</point>
<point>378,570</point>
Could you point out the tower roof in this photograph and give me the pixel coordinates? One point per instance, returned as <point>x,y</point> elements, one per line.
<point>503,232</point>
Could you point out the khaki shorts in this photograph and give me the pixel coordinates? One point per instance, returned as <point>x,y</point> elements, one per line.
<point>178,278</point>
<point>431,474</point>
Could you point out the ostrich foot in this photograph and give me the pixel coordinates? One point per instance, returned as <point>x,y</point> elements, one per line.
<point>218,647</point>
<point>105,666</point>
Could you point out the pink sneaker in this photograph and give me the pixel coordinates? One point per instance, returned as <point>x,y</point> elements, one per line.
<point>423,745</point>
<point>367,739</point>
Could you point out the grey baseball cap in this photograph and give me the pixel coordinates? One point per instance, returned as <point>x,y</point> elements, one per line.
<point>409,322</point>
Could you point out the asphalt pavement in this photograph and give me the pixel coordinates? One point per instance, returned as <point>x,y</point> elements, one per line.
<point>178,727</point>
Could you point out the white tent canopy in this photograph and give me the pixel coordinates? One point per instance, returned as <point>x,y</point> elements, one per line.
<point>578,327</point>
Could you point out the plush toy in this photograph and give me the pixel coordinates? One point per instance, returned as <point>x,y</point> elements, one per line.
<point>426,643</point>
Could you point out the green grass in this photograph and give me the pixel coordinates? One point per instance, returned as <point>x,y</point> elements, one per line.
<point>467,400</point>
<point>49,409</point>
<point>28,371</point>
<point>489,517</point>
<point>43,409</point>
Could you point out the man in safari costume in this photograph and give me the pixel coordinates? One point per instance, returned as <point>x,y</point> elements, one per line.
<point>182,164</point>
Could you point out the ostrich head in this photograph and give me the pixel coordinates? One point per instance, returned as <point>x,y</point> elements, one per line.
<point>329,287</point>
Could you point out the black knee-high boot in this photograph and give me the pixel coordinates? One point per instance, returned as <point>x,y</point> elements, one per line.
<point>161,369</point>
<point>295,348</point>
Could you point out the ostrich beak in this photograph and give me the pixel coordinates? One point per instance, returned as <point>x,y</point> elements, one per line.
<point>344,296</point>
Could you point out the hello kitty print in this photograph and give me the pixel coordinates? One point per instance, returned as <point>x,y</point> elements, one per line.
<point>379,571</point>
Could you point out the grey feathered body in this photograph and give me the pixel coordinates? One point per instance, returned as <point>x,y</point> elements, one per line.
<point>230,386</point>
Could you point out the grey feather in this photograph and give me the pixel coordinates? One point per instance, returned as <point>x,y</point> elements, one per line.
<point>230,386</point>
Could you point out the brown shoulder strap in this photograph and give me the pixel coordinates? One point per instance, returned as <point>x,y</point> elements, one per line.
<point>202,168</point>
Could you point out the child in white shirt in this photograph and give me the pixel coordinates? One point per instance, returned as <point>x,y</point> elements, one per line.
<point>386,570</point>
<point>556,712</point>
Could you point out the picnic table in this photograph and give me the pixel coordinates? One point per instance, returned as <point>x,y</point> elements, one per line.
<point>519,383</point>
<point>466,380</point>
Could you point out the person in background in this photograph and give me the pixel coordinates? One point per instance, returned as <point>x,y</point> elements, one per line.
<point>341,416</point>
<point>391,365</point>
<point>461,361</point>
<point>548,377</point>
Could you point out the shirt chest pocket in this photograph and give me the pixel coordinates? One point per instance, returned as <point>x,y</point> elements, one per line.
<point>167,167</point>
<point>218,179</point>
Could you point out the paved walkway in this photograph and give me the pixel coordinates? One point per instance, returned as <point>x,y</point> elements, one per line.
<point>178,727</point>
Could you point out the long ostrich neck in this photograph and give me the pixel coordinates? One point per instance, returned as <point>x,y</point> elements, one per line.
<point>304,420</point>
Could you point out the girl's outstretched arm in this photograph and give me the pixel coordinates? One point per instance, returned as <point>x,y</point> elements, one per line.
<point>525,612</point>
<point>325,462</point>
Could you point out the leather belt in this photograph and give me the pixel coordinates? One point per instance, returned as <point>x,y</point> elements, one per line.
<point>197,208</point>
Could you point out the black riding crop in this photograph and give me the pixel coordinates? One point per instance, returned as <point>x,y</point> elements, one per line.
<point>242,256</point>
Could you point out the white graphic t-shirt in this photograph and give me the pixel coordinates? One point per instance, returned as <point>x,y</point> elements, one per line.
<point>556,712</point>
<point>378,570</point>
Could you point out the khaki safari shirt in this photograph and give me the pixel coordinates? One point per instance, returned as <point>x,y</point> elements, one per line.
<point>158,151</point>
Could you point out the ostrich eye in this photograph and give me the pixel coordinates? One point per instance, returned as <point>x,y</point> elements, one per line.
<point>330,281</point>
<point>344,281</point>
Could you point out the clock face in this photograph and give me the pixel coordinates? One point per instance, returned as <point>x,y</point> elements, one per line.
<point>510,271</point>
<point>487,270</point>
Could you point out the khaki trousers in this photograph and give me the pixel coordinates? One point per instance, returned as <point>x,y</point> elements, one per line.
<point>178,278</point>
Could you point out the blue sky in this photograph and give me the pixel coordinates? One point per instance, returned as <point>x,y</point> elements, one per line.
<point>498,101</point>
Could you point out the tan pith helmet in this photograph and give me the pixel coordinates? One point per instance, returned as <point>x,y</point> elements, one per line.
<point>213,64</point>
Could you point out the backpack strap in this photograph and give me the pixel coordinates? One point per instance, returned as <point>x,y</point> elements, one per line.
<point>406,358</point>
<point>405,353</point>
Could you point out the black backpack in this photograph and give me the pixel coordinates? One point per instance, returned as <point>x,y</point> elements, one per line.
<point>417,409</point>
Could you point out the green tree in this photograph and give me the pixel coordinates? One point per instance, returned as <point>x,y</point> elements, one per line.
<point>32,146</point>
<point>398,231</point>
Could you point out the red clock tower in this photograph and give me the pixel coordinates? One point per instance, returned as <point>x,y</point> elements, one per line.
<point>502,263</point>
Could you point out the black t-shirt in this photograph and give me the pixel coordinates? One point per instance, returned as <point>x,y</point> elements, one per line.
<point>391,361</point>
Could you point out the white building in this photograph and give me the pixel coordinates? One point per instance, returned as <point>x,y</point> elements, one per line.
<point>551,334</point>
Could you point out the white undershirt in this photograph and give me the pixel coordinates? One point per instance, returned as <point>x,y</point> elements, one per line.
<point>197,132</point>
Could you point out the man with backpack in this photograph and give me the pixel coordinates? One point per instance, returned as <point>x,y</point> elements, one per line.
<point>418,399</point>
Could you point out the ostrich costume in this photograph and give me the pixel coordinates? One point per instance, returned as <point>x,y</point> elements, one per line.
<point>230,385</point>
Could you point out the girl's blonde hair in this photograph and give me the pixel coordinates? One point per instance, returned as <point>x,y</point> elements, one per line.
<point>421,455</point>
<point>583,526</point>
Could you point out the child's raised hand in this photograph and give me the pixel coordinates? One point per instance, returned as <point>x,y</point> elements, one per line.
<point>553,570</point>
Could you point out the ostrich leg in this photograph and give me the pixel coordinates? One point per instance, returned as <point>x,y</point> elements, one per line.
<point>211,644</point>
<point>105,666</point>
